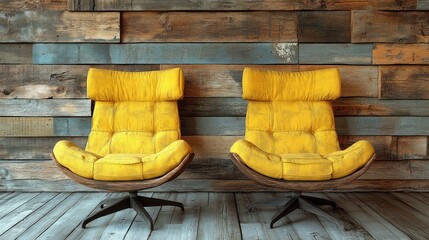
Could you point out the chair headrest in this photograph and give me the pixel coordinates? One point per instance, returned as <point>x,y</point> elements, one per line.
<point>116,86</point>
<point>318,85</point>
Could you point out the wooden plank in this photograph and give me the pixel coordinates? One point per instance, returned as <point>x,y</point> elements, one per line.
<point>212,126</point>
<point>209,107</point>
<point>216,26</point>
<point>423,4</point>
<point>171,5</point>
<point>376,225</point>
<point>225,80</point>
<point>396,27</point>
<point>406,169</point>
<point>22,212</point>
<point>68,27</point>
<point>401,53</point>
<point>335,53</point>
<point>404,82</point>
<point>383,145</point>
<point>166,53</point>
<point>22,5</point>
<point>32,148</point>
<point>416,203</point>
<point>52,81</point>
<point>405,218</point>
<point>15,53</point>
<point>34,217</point>
<point>376,107</point>
<point>413,147</point>
<point>356,5</point>
<point>15,202</point>
<point>44,107</point>
<point>26,126</point>
<point>323,26</point>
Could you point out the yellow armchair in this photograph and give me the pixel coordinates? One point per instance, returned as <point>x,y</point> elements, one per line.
<point>290,140</point>
<point>134,141</point>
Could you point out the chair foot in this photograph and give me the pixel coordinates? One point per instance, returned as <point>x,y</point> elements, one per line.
<point>306,203</point>
<point>138,203</point>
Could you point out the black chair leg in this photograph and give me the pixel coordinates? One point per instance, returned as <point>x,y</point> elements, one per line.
<point>319,201</point>
<point>138,203</point>
<point>289,207</point>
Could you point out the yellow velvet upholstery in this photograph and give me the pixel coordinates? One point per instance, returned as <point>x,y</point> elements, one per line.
<point>290,127</point>
<point>135,132</point>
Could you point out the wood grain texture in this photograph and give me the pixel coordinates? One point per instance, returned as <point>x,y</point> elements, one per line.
<point>52,81</point>
<point>423,4</point>
<point>44,107</point>
<point>396,27</point>
<point>68,27</point>
<point>166,53</point>
<point>32,148</point>
<point>15,53</point>
<point>415,147</point>
<point>401,54</point>
<point>355,5</point>
<point>385,146</point>
<point>335,53</point>
<point>404,82</point>
<point>172,5</point>
<point>26,126</point>
<point>209,27</point>
<point>22,5</point>
<point>323,26</point>
<point>225,80</point>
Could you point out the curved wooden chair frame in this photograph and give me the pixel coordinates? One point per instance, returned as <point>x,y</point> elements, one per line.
<point>134,201</point>
<point>296,200</point>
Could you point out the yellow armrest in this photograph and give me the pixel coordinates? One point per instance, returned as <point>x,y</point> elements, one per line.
<point>263,162</point>
<point>75,158</point>
<point>351,159</point>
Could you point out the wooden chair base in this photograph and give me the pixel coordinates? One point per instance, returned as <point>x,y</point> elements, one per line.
<point>138,203</point>
<point>296,200</point>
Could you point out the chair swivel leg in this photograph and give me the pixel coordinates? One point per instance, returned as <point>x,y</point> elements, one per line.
<point>154,202</point>
<point>289,207</point>
<point>118,206</point>
<point>311,208</point>
<point>139,208</point>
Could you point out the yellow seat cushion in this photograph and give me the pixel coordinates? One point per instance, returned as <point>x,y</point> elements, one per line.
<point>306,167</point>
<point>290,127</point>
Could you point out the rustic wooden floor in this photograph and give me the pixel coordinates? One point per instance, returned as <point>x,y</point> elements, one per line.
<point>213,216</point>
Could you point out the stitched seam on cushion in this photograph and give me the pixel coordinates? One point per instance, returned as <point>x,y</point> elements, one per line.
<point>154,131</point>
<point>113,127</point>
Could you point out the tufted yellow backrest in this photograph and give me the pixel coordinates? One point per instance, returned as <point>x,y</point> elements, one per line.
<point>291,112</point>
<point>135,112</point>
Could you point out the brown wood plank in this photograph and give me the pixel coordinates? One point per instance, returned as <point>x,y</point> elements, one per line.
<point>413,147</point>
<point>33,148</point>
<point>172,5</point>
<point>383,145</point>
<point>208,27</point>
<point>323,26</point>
<point>15,53</point>
<point>404,82</point>
<point>21,5</point>
<point>44,107</point>
<point>335,53</point>
<point>52,81</point>
<point>401,54</point>
<point>396,27</point>
<point>225,80</point>
<point>355,5</point>
<point>26,126</point>
<point>68,27</point>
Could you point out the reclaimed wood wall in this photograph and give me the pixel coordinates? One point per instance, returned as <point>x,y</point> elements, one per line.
<point>380,46</point>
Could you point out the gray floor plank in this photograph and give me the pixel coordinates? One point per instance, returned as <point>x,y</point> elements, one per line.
<point>421,206</point>
<point>12,203</point>
<point>64,225</point>
<point>20,213</point>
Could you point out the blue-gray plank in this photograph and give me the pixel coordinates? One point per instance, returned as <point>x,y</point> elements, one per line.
<point>166,53</point>
<point>357,54</point>
<point>423,4</point>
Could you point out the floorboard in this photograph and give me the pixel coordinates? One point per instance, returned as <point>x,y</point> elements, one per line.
<point>207,215</point>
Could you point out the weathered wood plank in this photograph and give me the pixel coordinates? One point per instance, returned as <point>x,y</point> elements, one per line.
<point>172,5</point>
<point>26,126</point>
<point>225,80</point>
<point>385,146</point>
<point>423,4</point>
<point>401,54</point>
<point>52,81</point>
<point>356,5</point>
<point>44,107</point>
<point>166,53</point>
<point>397,27</point>
<point>22,5</point>
<point>209,27</point>
<point>33,148</point>
<point>15,202</point>
<point>15,53</point>
<point>404,82</point>
<point>206,107</point>
<point>413,147</point>
<point>335,53</point>
<point>68,27</point>
<point>376,107</point>
<point>323,26</point>
<point>216,185</point>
